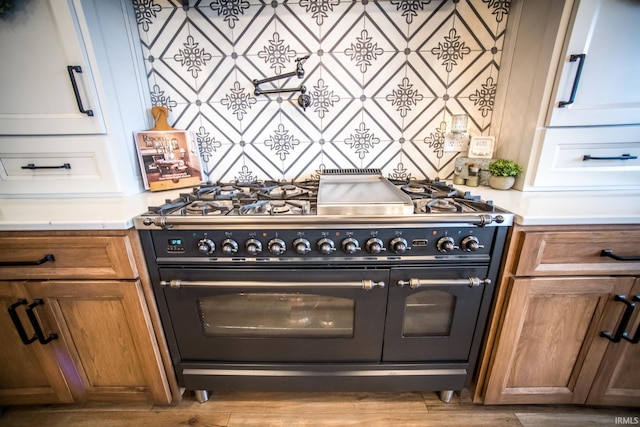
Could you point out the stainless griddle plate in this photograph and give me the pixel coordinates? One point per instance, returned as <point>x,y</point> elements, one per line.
<point>360,192</point>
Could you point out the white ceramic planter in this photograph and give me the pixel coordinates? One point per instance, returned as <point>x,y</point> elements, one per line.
<point>501,182</point>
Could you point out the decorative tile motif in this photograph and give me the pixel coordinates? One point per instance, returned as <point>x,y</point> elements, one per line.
<point>384,79</point>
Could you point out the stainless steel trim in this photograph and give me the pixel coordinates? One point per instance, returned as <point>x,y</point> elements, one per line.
<point>316,259</point>
<point>471,282</point>
<point>303,373</point>
<point>316,221</point>
<point>363,284</point>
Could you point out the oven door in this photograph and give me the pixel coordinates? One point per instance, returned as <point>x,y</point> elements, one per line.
<point>273,315</point>
<point>432,313</point>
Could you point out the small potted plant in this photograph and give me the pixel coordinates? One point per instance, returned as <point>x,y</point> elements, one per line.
<point>503,174</point>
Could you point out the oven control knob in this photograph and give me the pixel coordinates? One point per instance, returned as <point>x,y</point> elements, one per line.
<point>229,247</point>
<point>446,244</point>
<point>206,246</point>
<point>277,246</point>
<point>254,247</point>
<point>326,246</point>
<point>399,245</point>
<point>375,246</point>
<point>301,246</point>
<point>350,245</point>
<point>470,243</point>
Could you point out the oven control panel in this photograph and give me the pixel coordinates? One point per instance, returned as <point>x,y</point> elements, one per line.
<point>368,244</point>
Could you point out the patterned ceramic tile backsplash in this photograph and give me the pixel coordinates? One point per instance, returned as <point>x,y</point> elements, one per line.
<point>384,79</point>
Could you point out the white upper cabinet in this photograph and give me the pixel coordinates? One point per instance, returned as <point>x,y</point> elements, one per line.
<point>585,55</point>
<point>39,41</point>
<point>74,90</point>
<point>599,78</point>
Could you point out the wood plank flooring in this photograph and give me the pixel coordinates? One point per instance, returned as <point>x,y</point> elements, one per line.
<point>236,409</point>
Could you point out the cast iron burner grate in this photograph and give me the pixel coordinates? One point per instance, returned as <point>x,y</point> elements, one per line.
<point>300,198</point>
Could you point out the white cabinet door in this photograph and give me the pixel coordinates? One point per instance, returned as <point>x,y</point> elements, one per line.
<point>607,91</point>
<point>38,41</point>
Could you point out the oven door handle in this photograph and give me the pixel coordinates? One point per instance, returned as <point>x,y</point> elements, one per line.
<point>471,282</point>
<point>362,284</point>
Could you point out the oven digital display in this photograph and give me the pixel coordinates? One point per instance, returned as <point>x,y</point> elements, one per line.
<point>175,242</point>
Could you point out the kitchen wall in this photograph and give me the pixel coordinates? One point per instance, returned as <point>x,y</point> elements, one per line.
<point>384,78</point>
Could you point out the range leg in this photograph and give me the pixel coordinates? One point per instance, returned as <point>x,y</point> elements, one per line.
<point>202,395</point>
<point>445,395</point>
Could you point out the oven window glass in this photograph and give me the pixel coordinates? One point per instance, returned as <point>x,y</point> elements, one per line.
<point>428,313</point>
<point>289,315</point>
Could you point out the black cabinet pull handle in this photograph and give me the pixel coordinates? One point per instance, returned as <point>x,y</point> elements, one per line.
<point>609,253</point>
<point>636,337</point>
<point>576,80</point>
<point>18,324</point>
<point>33,166</point>
<point>623,322</point>
<point>46,258</point>
<point>72,77</point>
<point>36,326</point>
<point>621,157</point>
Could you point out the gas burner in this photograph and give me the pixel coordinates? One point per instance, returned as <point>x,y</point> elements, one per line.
<point>284,192</point>
<point>422,189</point>
<point>229,192</point>
<point>444,205</point>
<point>437,206</point>
<point>275,207</point>
<point>218,192</point>
<point>279,207</point>
<point>204,208</point>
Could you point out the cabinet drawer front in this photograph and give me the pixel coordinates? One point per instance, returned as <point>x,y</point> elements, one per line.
<point>88,171</point>
<point>562,160</point>
<point>568,253</point>
<point>50,167</point>
<point>79,257</point>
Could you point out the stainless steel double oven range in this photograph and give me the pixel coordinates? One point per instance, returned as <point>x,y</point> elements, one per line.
<point>350,282</point>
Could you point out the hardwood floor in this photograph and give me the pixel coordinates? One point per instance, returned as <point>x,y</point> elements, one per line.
<point>233,409</point>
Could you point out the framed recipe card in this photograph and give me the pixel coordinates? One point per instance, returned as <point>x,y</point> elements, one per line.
<point>168,159</point>
<point>481,147</point>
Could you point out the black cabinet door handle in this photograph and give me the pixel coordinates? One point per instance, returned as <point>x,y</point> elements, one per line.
<point>609,253</point>
<point>636,337</point>
<point>46,258</point>
<point>620,157</point>
<point>36,325</point>
<point>78,69</point>
<point>576,80</point>
<point>18,324</point>
<point>32,166</point>
<point>620,332</point>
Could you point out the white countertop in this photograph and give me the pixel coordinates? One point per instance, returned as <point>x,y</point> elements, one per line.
<point>565,207</point>
<point>79,213</point>
<point>530,208</point>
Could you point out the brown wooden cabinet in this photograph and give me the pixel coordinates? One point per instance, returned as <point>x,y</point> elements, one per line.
<point>556,296</point>
<point>618,379</point>
<point>28,373</point>
<point>90,296</point>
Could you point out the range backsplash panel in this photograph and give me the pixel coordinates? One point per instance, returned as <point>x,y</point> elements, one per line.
<point>384,77</point>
